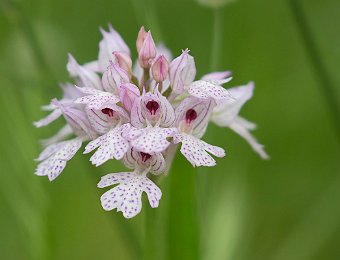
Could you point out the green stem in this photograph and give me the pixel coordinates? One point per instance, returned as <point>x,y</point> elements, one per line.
<point>216,47</point>
<point>325,83</point>
<point>182,230</point>
<point>150,236</point>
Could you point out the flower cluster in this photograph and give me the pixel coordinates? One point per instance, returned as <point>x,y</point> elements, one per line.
<point>139,114</point>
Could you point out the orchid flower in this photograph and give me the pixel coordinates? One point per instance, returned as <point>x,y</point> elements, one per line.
<point>140,114</point>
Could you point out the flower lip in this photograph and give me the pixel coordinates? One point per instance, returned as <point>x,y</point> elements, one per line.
<point>152,106</point>
<point>190,115</point>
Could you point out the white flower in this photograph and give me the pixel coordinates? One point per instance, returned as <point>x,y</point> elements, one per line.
<point>226,115</point>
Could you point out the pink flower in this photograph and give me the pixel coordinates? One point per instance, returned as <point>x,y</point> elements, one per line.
<point>140,117</point>
<point>147,52</point>
<point>160,68</point>
<point>141,37</point>
<point>152,109</point>
<point>192,118</point>
<point>123,60</point>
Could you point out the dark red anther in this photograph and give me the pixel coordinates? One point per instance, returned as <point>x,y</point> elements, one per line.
<point>152,106</point>
<point>107,111</point>
<point>145,156</point>
<point>190,116</point>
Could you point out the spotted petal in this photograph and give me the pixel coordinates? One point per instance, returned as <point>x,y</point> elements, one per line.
<point>55,157</point>
<point>195,150</point>
<point>209,89</point>
<point>227,110</point>
<point>96,99</point>
<point>127,196</point>
<point>111,145</point>
<point>151,140</point>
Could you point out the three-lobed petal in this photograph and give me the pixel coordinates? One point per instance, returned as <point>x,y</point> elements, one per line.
<point>127,196</point>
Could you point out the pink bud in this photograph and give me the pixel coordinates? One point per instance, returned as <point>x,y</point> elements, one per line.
<point>147,52</point>
<point>140,39</point>
<point>113,77</point>
<point>182,72</point>
<point>123,60</point>
<point>128,93</point>
<point>160,69</point>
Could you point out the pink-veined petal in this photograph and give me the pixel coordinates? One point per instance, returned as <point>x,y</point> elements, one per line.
<point>49,119</point>
<point>157,164</point>
<point>182,72</point>
<point>87,77</point>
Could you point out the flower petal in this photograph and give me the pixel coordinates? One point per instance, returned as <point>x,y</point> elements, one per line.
<point>87,77</point>
<point>208,89</point>
<point>182,72</point>
<point>127,196</point>
<point>111,145</point>
<point>157,164</point>
<point>225,112</point>
<point>239,126</point>
<point>167,111</point>
<point>195,150</point>
<point>153,140</point>
<point>96,101</point>
<point>49,119</point>
<point>55,158</point>
<point>218,75</point>
<point>111,42</point>
<point>64,132</point>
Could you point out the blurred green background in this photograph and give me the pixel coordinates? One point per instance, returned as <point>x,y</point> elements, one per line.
<point>286,208</point>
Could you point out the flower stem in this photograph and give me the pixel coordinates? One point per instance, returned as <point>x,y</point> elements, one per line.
<point>150,237</point>
<point>182,229</point>
<point>325,83</point>
<point>216,38</point>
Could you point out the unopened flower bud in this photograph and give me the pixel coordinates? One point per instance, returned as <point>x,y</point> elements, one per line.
<point>147,52</point>
<point>141,37</point>
<point>160,68</point>
<point>182,72</point>
<point>123,60</point>
<point>128,92</point>
<point>113,77</point>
